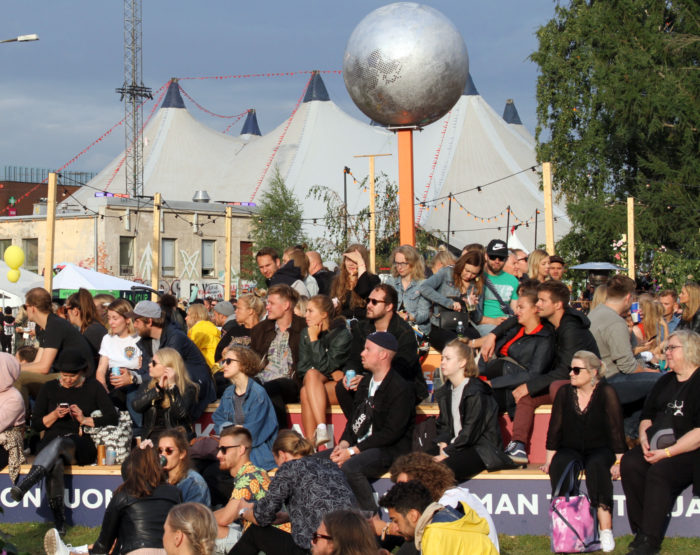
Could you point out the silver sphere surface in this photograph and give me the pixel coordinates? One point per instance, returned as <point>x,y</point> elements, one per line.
<point>405,64</point>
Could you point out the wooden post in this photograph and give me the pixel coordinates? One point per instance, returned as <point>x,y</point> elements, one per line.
<point>155,249</point>
<point>372,212</point>
<point>548,209</point>
<point>227,269</point>
<point>407,227</point>
<point>630,238</point>
<point>50,232</point>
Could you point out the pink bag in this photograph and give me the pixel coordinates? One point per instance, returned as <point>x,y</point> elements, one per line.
<point>574,521</point>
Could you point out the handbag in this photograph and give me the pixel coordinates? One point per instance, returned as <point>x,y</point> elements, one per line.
<point>574,523</point>
<point>449,319</point>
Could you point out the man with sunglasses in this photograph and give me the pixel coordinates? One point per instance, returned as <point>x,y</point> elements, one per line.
<point>250,484</point>
<point>503,283</point>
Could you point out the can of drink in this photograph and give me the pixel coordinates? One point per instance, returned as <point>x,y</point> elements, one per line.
<point>430,390</point>
<point>349,375</point>
<point>116,371</point>
<point>101,455</point>
<point>111,456</point>
<point>634,311</point>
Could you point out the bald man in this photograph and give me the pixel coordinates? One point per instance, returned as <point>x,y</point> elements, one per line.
<point>323,277</point>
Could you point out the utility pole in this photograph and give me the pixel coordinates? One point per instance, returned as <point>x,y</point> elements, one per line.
<point>372,212</point>
<point>133,92</point>
<point>155,249</point>
<point>50,231</point>
<point>346,171</point>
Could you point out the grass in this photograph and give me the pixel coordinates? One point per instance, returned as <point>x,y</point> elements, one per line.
<point>29,538</point>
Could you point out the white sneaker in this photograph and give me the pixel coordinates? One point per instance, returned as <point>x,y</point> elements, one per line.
<point>53,544</point>
<point>607,541</point>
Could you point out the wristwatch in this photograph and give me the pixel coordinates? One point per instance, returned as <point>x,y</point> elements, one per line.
<point>351,451</point>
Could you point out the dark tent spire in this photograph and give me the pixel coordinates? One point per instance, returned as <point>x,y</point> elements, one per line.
<point>470,87</point>
<point>317,89</point>
<point>510,113</point>
<point>173,99</point>
<point>250,127</point>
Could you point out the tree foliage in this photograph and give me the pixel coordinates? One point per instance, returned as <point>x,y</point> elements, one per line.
<point>618,115</point>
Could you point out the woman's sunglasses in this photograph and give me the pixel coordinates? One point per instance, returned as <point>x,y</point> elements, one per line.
<point>166,450</point>
<point>227,361</point>
<point>576,370</point>
<point>316,536</point>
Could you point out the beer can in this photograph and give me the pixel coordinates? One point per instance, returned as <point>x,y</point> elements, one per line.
<point>101,455</point>
<point>634,311</point>
<point>349,375</point>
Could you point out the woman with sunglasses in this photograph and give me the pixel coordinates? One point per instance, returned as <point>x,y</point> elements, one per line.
<point>246,403</point>
<point>667,460</point>
<point>324,347</point>
<point>168,399</point>
<point>587,426</point>
<point>173,449</point>
<point>407,273</point>
<point>354,282</point>
<point>459,288</point>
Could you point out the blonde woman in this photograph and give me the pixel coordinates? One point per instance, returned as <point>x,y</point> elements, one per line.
<point>407,273</point>
<point>538,265</point>
<point>250,309</point>
<point>202,332</point>
<point>167,400</point>
<point>442,259</point>
<point>690,299</point>
<point>119,353</point>
<point>190,529</point>
<point>652,331</point>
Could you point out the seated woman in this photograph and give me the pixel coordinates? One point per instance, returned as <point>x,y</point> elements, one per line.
<point>458,288</point>
<point>524,352</point>
<point>61,408</point>
<point>173,449</point>
<point>202,332</point>
<point>690,301</point>
<point>11,417</point>
<point>308,487</point>
<point>81,312</point>
<point>468,433</point>
<point>667,460</point>
<point>250,309</point>
<point>407,273</point>
<point>297,256</point>
<point>354,283</point>
<point>651,332</point>
<point>538,266</point>
<point>167,400</point>
<point>133,521</point>
<point>323,350</point>
<point>190,529</point>
<point>586,425</point>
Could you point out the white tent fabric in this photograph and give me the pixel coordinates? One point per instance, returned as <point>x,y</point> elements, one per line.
<point>75,277</point>
<point>15,292</point>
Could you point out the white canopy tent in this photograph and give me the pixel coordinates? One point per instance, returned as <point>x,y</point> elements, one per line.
<point>12,294</point>
<point>72,277</point>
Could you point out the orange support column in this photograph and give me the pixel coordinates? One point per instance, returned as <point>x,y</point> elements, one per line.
<point>407,228</point>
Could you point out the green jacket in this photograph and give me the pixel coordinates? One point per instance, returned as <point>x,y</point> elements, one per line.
<point>327,354</point>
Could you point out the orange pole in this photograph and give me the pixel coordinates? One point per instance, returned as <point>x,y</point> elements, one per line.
<point>407,228</point>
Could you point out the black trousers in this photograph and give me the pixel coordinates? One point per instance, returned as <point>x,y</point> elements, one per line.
<point>282,391</point>
<point>597,463</point>
<point>220,482</point>
<point>651,490</point>
<point>269,540</point>
<point>465,463</point>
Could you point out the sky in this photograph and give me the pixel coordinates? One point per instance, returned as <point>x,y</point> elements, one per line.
<point>57,95</point>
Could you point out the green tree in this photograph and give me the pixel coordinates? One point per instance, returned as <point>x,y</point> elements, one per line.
<point>278,221</point>
<point>618,115</point>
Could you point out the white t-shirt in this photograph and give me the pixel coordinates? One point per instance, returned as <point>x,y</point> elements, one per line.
<point>121,351</point>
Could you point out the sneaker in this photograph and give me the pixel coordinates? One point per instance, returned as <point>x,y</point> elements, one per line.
<point>607,541</point>
<point>53,544</point>
<point>321,436</point>
<point>517,453</point>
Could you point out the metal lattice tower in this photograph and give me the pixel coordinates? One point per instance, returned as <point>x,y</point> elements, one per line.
<point>133,92</point>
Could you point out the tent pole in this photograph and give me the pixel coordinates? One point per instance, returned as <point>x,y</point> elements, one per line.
<point>507,223</point>
<point>372,212</point>
<point>50,231</point>
<point>449,217</point>
<point>227,262</point>
<point>155,250</point>
<point>536,213</point>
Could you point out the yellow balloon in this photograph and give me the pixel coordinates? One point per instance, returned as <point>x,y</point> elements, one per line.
<point>13,275</point>
<point>14,256</point>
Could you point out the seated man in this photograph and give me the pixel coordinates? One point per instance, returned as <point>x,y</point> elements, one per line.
<point>501,288</point>
<point>434,528</point>
<point>276,340</point>
<point>381,316</point>
<point>250,483</point>
<point>381,424</point>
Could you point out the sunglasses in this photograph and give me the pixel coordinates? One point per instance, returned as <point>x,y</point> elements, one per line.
<point>225,448</point>
<point>497,258</point>
<point>166,450</point>
<point>576,370</point>
<point>316,536</point>
<point>375,301</point>
<point>227,361</point>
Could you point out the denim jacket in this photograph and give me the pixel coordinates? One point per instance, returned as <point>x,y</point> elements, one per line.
<point>440,290</point>
<point>258,417</point>
<point>413,302</point>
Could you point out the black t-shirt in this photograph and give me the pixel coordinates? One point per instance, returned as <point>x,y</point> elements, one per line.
<point>94,334</point>
<point>8,325</point>
<point>60,334</point>
<point>674,402</point>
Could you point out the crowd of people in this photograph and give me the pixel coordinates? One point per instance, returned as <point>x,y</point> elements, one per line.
<point>135,378</point>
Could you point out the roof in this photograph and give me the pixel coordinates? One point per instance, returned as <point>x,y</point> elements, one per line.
<point>317,89</point>
<point>470,87</point>
<point>250,127</point>
<point>510,113</point>
<point>173,98</point>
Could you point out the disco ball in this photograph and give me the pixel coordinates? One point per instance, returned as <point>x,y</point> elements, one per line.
<point>405,64</point>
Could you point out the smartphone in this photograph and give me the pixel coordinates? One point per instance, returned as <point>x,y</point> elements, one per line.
<point>64,405</point>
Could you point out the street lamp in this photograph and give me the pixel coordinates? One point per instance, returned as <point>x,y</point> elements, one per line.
<point>22,38</point>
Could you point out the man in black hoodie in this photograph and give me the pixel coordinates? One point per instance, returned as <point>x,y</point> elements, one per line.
<point>572,334</point>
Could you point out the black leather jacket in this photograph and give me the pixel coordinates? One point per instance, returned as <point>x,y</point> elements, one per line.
<point>136,522</point>
<point>149,402</point>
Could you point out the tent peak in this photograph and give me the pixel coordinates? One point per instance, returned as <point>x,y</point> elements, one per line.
<point>173,98</point>
<point>510,113</point>
<point>250,127</point>
<point>317,88</point>
<point>470,87</point>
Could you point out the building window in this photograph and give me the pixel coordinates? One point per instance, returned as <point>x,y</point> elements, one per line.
<point>167,257</point>
<point>4,243</point>
<point>208,258</point>
<point>126,256</point>
<point>31,254</point>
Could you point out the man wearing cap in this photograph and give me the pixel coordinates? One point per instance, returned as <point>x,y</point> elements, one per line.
<point>381,425</point>
<point>150,324</point>
<point>500,282</point>
<point>556,267</point>
<point>224,316</point>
